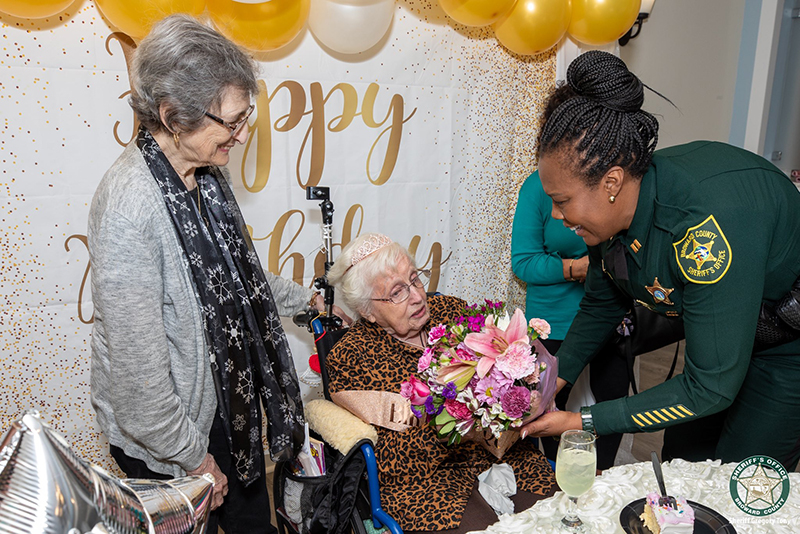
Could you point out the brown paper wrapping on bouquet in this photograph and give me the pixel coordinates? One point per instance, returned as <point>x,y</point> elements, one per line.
<point>499,446</point>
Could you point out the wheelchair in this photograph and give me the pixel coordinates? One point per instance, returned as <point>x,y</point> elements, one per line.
<point>348,493</point>
<point>354,493</point>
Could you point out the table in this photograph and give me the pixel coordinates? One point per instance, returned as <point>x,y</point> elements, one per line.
<point>706,483</point>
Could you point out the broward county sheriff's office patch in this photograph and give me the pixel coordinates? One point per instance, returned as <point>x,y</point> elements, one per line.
<point>759,485</point>
<point>704,254</point>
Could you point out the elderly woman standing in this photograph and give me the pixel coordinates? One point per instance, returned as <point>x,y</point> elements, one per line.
<point>425,485</point>
<point>187,337</point>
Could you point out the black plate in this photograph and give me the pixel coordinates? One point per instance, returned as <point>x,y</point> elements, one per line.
<point>706,520</point>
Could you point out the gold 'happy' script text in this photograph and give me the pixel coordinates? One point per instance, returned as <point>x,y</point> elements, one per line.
<point>314,105</point>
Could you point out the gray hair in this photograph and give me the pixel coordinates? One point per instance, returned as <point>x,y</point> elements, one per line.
<point>355,283</point>
<point>187,66</point>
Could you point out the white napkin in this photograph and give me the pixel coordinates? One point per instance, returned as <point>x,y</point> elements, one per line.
<point>496,485</point>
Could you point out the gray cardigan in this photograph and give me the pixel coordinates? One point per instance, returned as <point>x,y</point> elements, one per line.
<point>151,380</point>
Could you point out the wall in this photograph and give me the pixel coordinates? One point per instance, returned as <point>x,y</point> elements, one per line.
<point>782,137</point>
<point>688,51</point>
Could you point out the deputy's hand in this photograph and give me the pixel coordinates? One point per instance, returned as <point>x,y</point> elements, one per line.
<point>209,465</point>
<point>552,424</point>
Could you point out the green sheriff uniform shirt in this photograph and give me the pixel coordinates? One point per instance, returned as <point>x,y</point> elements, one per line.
<point>716,232</point>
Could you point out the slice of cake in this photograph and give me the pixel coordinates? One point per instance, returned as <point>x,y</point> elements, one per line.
<point>667,520</point>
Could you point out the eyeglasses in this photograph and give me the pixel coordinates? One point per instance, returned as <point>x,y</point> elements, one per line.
<point>236,126</point>
<point>400,294</point>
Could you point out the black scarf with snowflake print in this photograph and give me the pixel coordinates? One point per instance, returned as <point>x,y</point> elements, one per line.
<point>249,352</point>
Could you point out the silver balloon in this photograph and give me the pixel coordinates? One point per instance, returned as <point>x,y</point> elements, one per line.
<point>47,488</point>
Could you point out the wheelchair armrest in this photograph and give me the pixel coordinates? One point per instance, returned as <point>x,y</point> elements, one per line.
<point>337,427</point>
<point>379,517</point>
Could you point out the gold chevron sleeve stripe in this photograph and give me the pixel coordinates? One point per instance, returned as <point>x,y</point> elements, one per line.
<point>665,412</point>
<point>637,421</point>
<point>676,412</point>
<point>685,410</point>
<point>652,418</point>
<point>661,416</point>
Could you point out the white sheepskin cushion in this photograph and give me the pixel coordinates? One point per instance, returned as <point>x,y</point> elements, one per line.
<point>338,427</point>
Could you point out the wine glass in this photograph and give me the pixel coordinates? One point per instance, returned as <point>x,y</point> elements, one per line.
<point>576,464</point>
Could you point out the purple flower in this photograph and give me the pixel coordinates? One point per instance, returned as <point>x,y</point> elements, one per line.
<point>449,391</point>
<point>432,409</point>
<point>475,323</point>
<point>516,401</point>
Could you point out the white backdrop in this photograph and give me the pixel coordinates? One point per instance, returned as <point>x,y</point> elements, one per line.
<point>426,137</point>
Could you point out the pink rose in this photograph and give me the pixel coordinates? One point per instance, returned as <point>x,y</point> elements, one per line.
<point>457,410</point>
<point>415,390</point>
<point>516,401</point>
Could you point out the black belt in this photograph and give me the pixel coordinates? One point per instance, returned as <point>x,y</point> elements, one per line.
<point>779,324</point>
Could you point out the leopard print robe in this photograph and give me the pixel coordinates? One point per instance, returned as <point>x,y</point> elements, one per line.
<point>425,485</point>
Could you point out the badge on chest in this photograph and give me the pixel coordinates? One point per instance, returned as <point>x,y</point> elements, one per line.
<point>660,293</point>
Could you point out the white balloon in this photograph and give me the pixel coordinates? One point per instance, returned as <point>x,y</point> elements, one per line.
<point>350,26</point>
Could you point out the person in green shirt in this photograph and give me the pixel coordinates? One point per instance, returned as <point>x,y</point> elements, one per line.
<point>704,231</point>
<point>549,258</point>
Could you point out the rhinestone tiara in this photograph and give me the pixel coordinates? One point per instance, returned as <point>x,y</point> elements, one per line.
<point>372,244</point>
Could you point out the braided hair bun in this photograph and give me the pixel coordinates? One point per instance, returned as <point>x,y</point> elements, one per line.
<point>605,78</point>
<point>598,113</point>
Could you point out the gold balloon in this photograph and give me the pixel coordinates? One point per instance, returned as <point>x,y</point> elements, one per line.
<point>476,12</point>
<point>598,22</point>
<point>136,18</point>
<point>263,26</point>
<point>533,26</point>
<point>33,9</point>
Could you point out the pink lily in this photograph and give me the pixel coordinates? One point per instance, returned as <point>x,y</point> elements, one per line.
<point>459,371</point>
<point>493,342</point>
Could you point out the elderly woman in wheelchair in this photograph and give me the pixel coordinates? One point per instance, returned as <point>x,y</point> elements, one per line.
<point>425,485</point>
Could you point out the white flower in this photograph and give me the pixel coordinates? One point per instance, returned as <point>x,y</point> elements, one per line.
<point>503,322</point>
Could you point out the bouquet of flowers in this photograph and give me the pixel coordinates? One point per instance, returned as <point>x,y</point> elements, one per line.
<point>484,373</point>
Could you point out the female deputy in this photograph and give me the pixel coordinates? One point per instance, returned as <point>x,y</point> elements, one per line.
<point>552,261</point>
<point>704,231</point>
<point>187,337</point>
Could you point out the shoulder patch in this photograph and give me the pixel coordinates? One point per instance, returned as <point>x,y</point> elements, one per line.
<point>704,254</point>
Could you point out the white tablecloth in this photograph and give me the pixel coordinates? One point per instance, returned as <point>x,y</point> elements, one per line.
<point>706,483</point>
